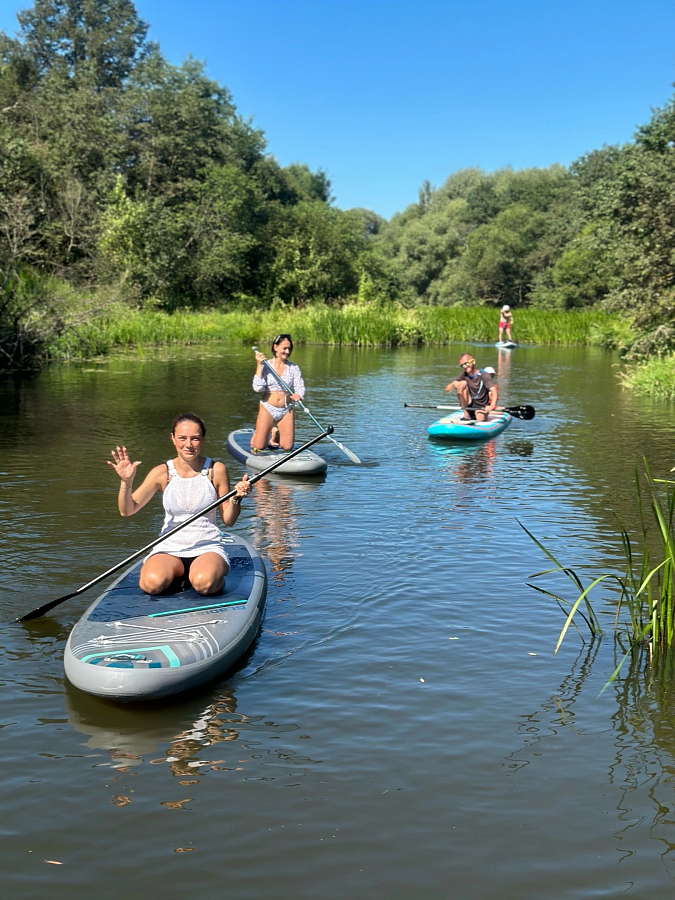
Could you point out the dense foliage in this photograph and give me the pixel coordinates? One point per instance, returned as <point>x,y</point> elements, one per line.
<point>120,170</point>
<point>127,181</point>
<point>601,234</point>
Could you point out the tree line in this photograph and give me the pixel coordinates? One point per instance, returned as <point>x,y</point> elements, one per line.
<point>599,234</point>
<point>127,180</point>
<point>118,169</point>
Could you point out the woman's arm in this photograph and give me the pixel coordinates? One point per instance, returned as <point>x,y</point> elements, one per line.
<point>229,511</point>
<point>259,383</point>
<point>297,383</point>
<point>129,502</point>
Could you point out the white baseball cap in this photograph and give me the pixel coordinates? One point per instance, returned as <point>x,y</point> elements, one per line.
<point>489,370</point>
<point>506,308</point>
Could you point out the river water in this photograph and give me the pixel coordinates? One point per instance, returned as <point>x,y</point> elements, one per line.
<point>401,727</point>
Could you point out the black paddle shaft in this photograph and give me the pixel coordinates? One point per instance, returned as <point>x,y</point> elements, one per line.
<point>518,412</point>
<point>41,610</point>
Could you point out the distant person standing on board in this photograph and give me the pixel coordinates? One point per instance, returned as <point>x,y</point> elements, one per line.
<point>505,323</point>
<point>476,390</point>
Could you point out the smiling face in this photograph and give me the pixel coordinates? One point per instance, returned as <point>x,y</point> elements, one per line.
<point>282,350</point>
<point>188,439</point>
<point>467,363</point>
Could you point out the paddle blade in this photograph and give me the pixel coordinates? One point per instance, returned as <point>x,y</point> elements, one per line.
<point>520,412</point>
<point>41,610</point>
<point>354,458</point>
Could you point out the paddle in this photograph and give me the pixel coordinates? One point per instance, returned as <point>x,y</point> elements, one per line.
<point>41,610</point>
<point>354,458</point>
<point>518,412</point>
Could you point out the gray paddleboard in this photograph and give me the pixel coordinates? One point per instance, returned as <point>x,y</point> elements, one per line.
<point>132,646</point>
<point>307,463</point>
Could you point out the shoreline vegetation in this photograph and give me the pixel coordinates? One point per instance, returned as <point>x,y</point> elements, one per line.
<point>352,325</point>
<point>132,191</point>
<point>640,602</point>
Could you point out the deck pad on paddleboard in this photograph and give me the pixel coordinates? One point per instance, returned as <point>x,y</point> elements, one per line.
<point>455,427</point>
<point>132,646</point>
<point>307,463</point>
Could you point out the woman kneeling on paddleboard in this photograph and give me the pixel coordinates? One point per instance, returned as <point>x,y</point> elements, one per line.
<point>275,416</point>
<point>189,483</point>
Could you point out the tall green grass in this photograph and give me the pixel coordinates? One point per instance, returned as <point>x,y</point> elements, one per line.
<point>655,377</point>
<point>357,325</point>
<point>643,596</point>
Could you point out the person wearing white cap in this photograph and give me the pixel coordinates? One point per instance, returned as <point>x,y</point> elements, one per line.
<point>505,323</point>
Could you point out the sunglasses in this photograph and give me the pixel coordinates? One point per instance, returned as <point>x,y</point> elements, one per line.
<point>468,362</point>
<point>282,337</point>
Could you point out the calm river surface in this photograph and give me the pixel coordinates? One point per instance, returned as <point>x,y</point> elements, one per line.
<point>401,728</point>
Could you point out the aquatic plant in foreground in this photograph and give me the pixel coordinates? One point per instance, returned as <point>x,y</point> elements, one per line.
<point>645,609</point>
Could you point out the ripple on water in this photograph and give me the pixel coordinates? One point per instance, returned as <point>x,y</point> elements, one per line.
<point>400,724</point>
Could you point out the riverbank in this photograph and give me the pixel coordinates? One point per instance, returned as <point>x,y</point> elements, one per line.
<point>655,377</point>
<point>357,325</point>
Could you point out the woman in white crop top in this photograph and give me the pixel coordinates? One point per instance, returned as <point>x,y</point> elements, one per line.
<point>275,415</point>
<point>189,483</point>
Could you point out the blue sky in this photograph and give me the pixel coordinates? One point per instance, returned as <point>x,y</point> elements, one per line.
<point>383,94</point>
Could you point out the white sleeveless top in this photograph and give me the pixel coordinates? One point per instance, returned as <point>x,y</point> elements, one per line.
<point>183,497</point>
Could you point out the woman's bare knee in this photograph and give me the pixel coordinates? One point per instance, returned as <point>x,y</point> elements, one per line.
<point>205,583</point>
<point>154,582</point>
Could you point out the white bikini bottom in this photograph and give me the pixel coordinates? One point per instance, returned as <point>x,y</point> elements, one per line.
<point>277,412</point>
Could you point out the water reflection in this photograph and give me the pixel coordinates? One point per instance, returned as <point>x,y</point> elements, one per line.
<point>555,713</point>
<point>468,464</point>
<point>520,448</point>
<point>275,529</point>
<point>641,766</point>
<point>202,735</point>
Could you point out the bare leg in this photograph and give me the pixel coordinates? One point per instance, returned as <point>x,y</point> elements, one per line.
<point>508,332</point>
<point>501,334</point>
<point>287,431</point>
<point>159,572</point>
<point>263,429</point>
<point>463,397</point>
<point>207,573</point>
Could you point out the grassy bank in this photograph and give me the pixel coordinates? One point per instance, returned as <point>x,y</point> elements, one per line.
<point>656,377</point>
<point>361,326</point>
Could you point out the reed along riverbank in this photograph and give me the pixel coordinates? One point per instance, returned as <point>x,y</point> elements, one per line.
<point>655,377</point>
<point>356,325</point>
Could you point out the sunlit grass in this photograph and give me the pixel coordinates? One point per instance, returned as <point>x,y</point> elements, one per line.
<point>644,595</point>
<point>357,325</point>
<point>655,377</point>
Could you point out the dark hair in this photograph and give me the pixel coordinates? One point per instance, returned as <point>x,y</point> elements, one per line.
<point>279,338</point>
<point>188,417</point>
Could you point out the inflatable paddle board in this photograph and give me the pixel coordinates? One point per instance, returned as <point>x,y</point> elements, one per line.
<point>307,463</point>
<point>132,646</point>
<point>454,427</point>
